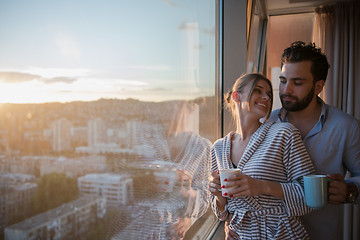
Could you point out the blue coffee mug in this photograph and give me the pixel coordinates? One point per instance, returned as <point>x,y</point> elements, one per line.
<point>316,191</point>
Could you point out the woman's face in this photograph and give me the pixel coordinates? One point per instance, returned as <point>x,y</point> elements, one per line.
<point>260,101</point>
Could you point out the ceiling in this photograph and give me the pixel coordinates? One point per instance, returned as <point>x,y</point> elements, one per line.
<point>276,7</point>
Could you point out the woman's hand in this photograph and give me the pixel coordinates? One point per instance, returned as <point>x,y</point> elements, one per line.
<point>214,184</point>
<point>245,185</point>
<point>215,189</point>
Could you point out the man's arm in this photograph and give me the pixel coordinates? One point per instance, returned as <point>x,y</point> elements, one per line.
<point>229,234</point>
<point>352,192</point>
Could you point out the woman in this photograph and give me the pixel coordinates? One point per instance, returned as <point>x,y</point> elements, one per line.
<point>269,194</point>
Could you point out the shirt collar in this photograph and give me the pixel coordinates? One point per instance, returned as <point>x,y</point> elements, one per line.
<point>282,115</point>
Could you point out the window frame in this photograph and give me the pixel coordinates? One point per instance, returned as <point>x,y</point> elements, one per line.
<point>231,57</point>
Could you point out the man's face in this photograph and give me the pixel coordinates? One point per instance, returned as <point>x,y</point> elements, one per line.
<point>296,88</point>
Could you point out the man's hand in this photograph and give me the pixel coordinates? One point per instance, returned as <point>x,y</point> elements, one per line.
<point>229,234</point>
<point>337,189</point>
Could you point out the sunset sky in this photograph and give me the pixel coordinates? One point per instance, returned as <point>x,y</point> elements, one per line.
<point>152,50</point>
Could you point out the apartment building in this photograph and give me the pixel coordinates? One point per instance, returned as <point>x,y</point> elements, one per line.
<point>15,198</point>
<point>69,221</point>
<point>116,188</point>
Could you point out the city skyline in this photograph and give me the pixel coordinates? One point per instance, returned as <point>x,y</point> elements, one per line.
<point>86,50</point>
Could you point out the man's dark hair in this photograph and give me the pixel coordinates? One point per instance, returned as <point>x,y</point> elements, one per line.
<point>299,51</point>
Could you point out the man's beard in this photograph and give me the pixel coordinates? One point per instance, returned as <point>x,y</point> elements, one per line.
<point>299,104</point>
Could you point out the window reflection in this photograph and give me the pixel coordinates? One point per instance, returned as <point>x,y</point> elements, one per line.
<point>171,195</point>
<point>106,122</point>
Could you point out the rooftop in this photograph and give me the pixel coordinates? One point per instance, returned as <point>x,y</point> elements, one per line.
<point>53,214</point>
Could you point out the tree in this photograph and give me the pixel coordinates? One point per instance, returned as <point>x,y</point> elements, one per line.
<point>53,190</point>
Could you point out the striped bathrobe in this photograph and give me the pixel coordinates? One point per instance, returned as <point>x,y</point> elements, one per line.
<point>275,153</point>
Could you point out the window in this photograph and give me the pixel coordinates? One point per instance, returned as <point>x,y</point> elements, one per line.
<point>256,37</point>
<point>117,91</point>
<point>282,31</point>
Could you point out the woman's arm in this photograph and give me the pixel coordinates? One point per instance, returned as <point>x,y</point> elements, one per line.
<point>248,186</point>
<point>297,164</point>
<point>218,202</point>
<point>214,186</point>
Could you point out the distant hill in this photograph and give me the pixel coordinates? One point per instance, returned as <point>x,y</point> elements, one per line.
<point>36,117</point>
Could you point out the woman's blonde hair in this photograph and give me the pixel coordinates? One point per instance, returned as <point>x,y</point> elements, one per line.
<point>239,86</point>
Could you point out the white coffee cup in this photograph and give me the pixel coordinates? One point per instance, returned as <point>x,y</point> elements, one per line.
<point>224,174</point>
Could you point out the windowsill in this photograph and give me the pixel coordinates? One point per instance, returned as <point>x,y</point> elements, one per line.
<point>219,233</point>
<point>205,227</point>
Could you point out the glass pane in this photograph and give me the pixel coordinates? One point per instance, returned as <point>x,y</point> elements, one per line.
<point>254,45</point>
<point>282,31</point>
<point>107,117</point>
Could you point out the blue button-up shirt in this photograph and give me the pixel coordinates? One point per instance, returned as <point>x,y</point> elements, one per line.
<point>334,147</point>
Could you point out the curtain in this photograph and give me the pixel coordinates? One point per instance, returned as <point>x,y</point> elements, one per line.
<point>321,31</point>
<point>337,31</point>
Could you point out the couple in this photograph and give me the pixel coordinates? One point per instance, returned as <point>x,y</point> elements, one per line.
<point>269,197</point>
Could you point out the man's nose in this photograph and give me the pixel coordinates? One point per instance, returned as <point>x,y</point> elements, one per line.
<point>288,87</point>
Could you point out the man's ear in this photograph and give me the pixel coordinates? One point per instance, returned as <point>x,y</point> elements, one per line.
<point>319,85</point>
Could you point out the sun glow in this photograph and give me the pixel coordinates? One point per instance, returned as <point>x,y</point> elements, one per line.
<point>27,92</point>
<point>36,85</point>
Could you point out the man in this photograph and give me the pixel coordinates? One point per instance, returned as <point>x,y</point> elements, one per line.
<point>331,136</point>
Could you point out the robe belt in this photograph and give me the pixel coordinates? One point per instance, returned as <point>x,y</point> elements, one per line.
<point>267,211</point>
<point>238,217</point>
